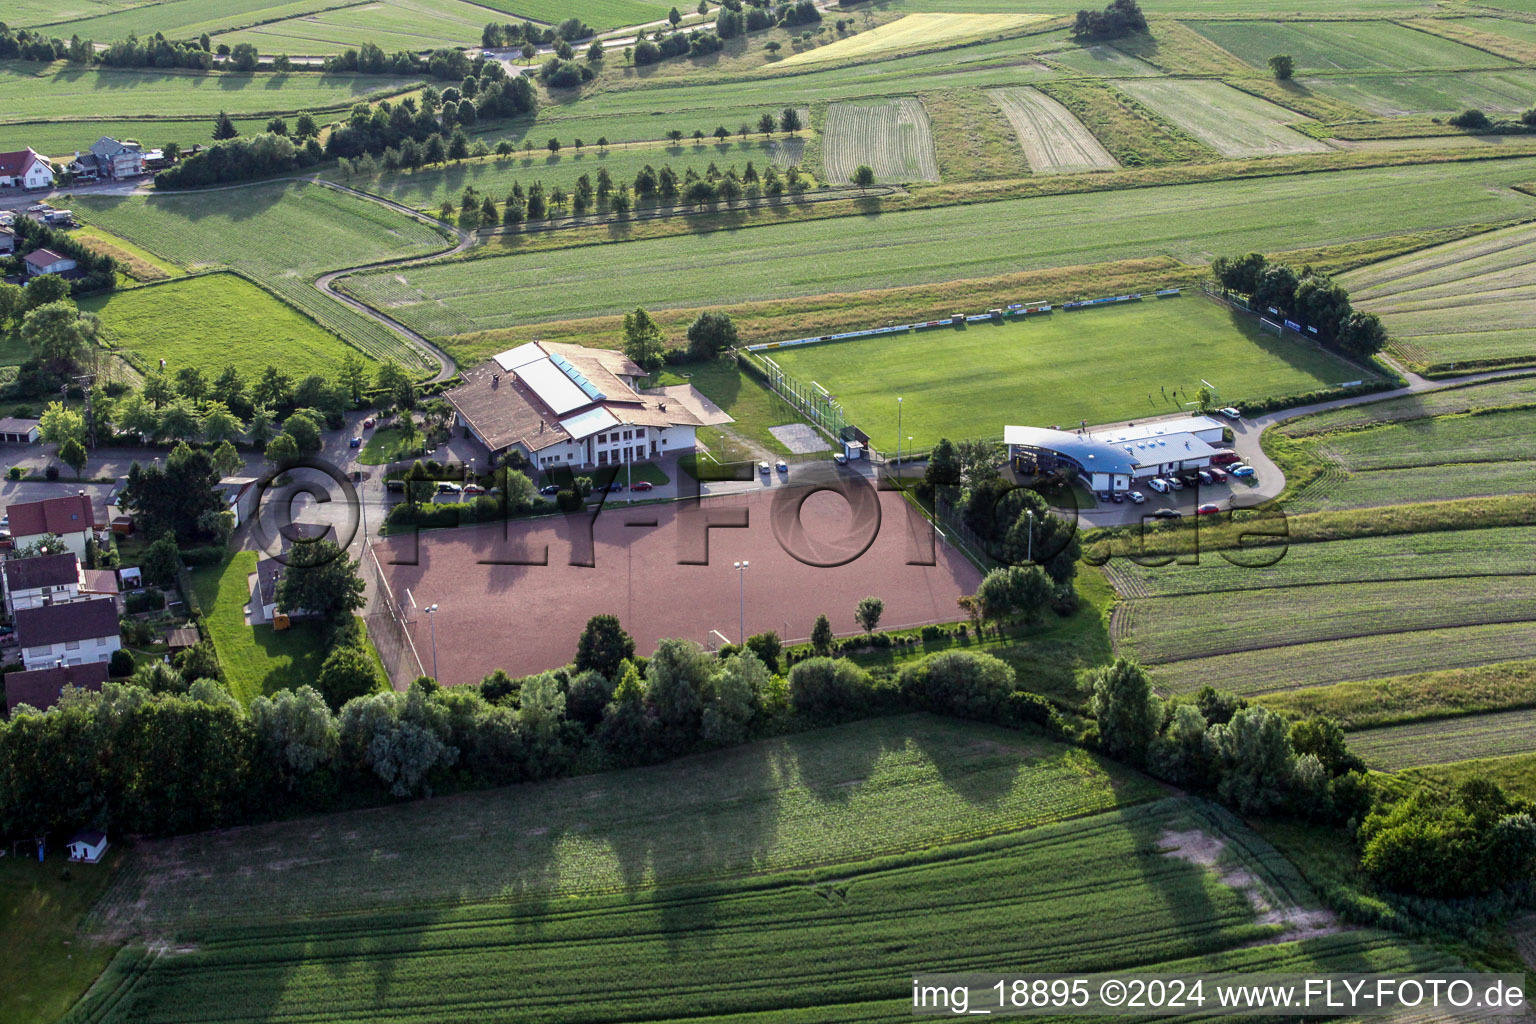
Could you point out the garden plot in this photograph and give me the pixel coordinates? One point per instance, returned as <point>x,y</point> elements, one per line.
<point>1052,139</point>
<point>1445,740</point>
<point>892,136</point>
<point>1228,120</point>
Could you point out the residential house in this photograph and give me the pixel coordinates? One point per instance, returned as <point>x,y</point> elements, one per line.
<point>25,169</point>
<point>19,430</point>
<point>87,846</point>
<point>40,580</point>
<point>116,160</point>
<point>264,584</point>
<point>46,261</point>
<point>68,634</point>
<point>85,167</point>
<point>568,405</point>
<point>239,494</point>
<point>41,688</point>
<point>7,242</point>
<point>69,517</point>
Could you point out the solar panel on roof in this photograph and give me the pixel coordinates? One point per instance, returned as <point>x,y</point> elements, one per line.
<point>578,378</point>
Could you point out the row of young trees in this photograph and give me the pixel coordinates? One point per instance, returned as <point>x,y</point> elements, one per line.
<point>1308,297</point>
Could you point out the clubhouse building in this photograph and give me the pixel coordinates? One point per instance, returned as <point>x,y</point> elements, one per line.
<point>577,407</point>
<point>1116,458</point>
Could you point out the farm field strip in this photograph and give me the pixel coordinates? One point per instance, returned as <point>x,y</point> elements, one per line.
<point>1421,696</point>
<point>1101,60</point>
<point>1502,436</point>
<point>1444,740</point>
<point>1440,482</point>
<point>932,245</point>
<point>187,19</point>
<point>269,233</point>
<point>1376,656</point>
<point>1052,139</point>
<point>186,323</point>
<point>892,136</point>
<point>1488,262</point>
<point>913,30</point>
<point>600,14</point>
<point>829,796</point>
<point>1508,391</point>
<point>1506,551</point>
<point>62,138</point>
<point>106,93</point>
<point>1181,627</point>
<point>1095,892</point>
<point>402,25</point>
<point>1228,120</point>
<point>428,188</point>
<point>1394,95</point>
<point>1342,45</point>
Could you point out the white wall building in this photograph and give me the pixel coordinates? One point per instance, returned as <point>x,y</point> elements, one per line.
<point>1116,458</point>
<point>75,633</point>
<point>42,580</point>
<point>25,168</point>
<point>69,518</point>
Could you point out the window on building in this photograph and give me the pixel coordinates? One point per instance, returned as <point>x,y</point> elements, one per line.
<point>73,645</point>
<point>627,435</point>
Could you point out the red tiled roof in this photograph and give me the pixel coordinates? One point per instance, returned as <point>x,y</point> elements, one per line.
<point>69,514</point>
<point>40,687</point>
<point>15,164</point>
<point>63,623</point>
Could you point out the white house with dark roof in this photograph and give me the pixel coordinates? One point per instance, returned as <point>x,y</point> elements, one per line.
<point>116,159</point>
<point>577,407</point>
<point>75,633</point>
<point>40,580</point>
<point>25,168</point>
<point>46,261</point>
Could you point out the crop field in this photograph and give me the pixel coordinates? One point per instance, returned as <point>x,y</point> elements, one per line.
<point>1097,365</point>
<point>1445,740</point>
<point>64,138</point>
<point>1375,656</point>
<point>25,13</point>
<point>190,323</point>
<point>428,188</point>
<point>831,796</point>
<point>931,245</point>
<point>892,136</point>
<point>1494,92</point>
<point>397,25</point>
<point>1441,482</point>
<point>1478,437</point>
<point>1101,60</point>
<point>1473,300</point>
<point>600,14</point>
<point>1503,551</point>
<point>1493,394</point>
<point>1132,133</point>
<point>187,19</point>
<point>271,234</point>
<point>1400,700</point>
<point>1228,120</point>
<point>65,92</point>
<point>913,31</point>
<point>1053,141</point>
<point>1342,45</point>
<point>759,946</point>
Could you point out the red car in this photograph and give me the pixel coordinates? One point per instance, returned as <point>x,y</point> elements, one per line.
<point>1224,457</point>
<point>1218,476</point>
<point>643,485</point>
<point>1208,509</point>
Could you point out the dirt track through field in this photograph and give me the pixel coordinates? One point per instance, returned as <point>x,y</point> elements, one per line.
<point>892,136</point>
<point>1053,140</point>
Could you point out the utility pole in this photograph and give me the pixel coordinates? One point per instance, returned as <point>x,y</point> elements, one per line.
<point>432,618</point>
<point>741,602</point>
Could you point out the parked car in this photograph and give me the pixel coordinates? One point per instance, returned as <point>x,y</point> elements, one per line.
<point>764,468</point>
<point>1118,497</point>
<point>1225,457</point>
<point>1242,472</point>
<point>1175,483</point>
<point>1204,476</point>
<point>549,489</point>
<point>1136,497</point>
<point>643,485</point>
<point>840,459</point>
<point>356,442</point>
<point>781,466</point>
<point>368,423</point>
<point>448,487</point>
<point>1218,476</point>
<point>473,489</point>
<point>1158,484</point>
<point>1102,496</point>
<point>487,54</point>
<point>1231,413</point>
<point>613,488</point>
<point>1167,513</point>
<point>1209,508</point>
<point>395,486</point>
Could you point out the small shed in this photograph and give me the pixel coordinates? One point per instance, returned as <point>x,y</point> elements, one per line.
<point>181,638</point>
<point>18,430</point>
<point>87,846</point>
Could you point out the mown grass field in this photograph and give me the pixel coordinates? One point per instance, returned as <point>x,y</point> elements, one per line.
<point>600,14</point>
<point>946,244</point>
<point>915,30</point>
<point>1053,141</point>
<point>1442,741</point>
<point>893,137</point>
<point>1494,92</point>
<point>1098,365</point>
<point>64,138</point>
<point>49,964</point>
<point>282,235</point>
<point>1133,134</point>
<point>29,92</point>
<point>1101,60</point>
<point>1231,122</point>
<point>402,25</point>
<point>190,323</point>
<point>428,188</point>
<point>1494,394</point>
<point>1375,703</point>
<point>1471,302</point>
<point>186,19</point>
<point>827,797</point>
<point>1342,45</point>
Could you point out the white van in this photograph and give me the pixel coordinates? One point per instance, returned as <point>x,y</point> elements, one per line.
<point>1158,484</point>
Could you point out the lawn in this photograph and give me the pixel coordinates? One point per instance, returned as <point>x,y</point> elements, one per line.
<point>64,138</point>
<point>1098,365</point>
<point>281,235</point>
<point>256,660</point>
<point>831,796</point>
<point>1467,302</point>
<point>49,963</point>
<point>191,322</point>
<point>753,406</point>
<point>386,445</point>
<point>63,91</point>
<point>945,244</point>
<point>1343,45</point>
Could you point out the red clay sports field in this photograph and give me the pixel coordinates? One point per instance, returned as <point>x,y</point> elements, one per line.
<point>525,618</point>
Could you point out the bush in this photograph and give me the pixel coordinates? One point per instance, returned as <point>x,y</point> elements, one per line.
<point>121,664</point>
<point>15,473</point>
<point>961,683</point>
<point>823,688</point>
<point>1471,118</point>
<point>151,600</point>
<point>207,554</point>
<point>932,633</point>
<point>1025,708</point>
<point>52,472</point>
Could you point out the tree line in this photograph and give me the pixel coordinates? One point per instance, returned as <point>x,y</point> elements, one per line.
<point>1119,18</point>
<point>1308,297</point>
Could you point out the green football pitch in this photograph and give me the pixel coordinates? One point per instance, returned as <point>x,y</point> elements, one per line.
<point>1100,365</point>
